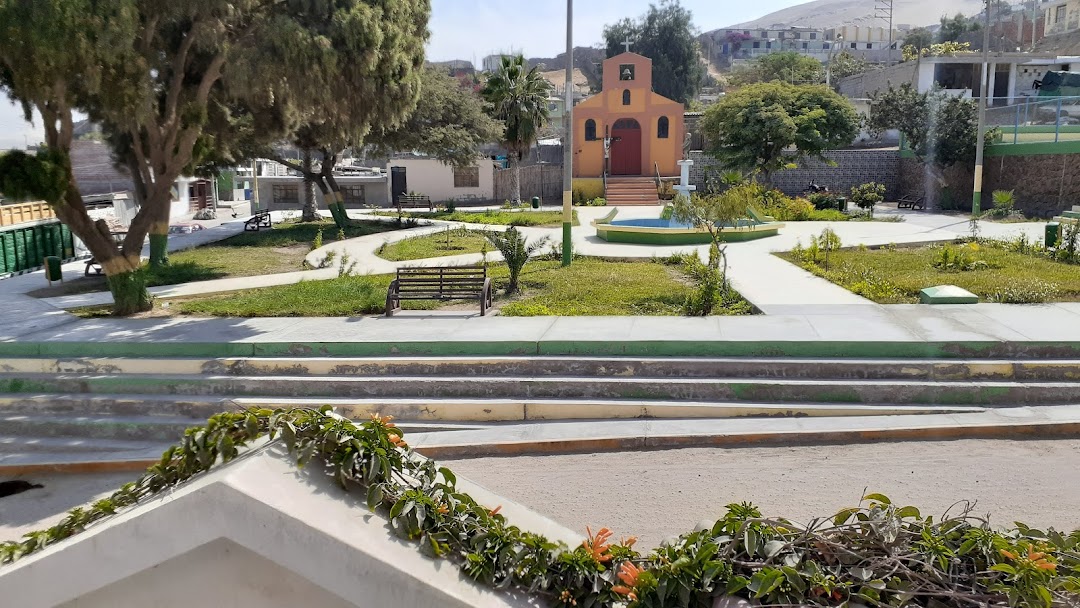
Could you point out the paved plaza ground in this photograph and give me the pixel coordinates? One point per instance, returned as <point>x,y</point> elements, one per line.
<point>657,494</point>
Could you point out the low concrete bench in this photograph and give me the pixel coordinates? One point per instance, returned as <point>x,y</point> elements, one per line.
<point>447,283</point>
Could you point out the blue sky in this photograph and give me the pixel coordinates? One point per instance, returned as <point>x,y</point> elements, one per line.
<point>471,29</point>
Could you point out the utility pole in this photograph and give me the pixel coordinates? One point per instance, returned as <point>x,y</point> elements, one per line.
<point>568,141</point>
<point>980,145</point>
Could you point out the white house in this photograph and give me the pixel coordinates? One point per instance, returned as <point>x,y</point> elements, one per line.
<point>441,182</point>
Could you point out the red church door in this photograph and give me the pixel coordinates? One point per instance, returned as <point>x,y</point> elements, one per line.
<point>626,147</point>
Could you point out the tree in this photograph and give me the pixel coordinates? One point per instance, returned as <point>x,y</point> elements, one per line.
<point>665,34</point>
<point>449,123</point>
<point>940,129</point>
<point>515,252</point>
<point>788,66</point>
<point>845,64</point>
<point>750,129</point>
<point>952,29</point>
<point>919,37</point>
<point>518,97</point>
<point>157,76</point>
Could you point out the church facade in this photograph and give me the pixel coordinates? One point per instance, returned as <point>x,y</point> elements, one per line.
<point>627,129</point>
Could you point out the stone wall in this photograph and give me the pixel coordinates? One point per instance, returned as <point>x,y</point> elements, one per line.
<point>1044,185</point>
<point>852,168</point>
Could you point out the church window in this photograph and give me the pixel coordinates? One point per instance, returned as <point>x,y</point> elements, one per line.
<point>662,128</point>
<point>626,97</point>
<point>590,130</point>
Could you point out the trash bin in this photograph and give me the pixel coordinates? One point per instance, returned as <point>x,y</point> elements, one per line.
<point>1053,234</point>
<point>536,202</point>
<point>52,269</point>
<point>841,203</point>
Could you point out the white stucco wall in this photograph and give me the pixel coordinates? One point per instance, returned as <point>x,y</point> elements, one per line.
<point>436,179</point>
<point>227,575</point>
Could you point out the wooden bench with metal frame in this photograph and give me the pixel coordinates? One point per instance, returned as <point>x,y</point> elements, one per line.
<point>911,201</point>
<point>415,200</point>
<point>261,219</point>
<point>446,283</point>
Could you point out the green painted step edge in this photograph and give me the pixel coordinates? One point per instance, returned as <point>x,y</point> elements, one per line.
<point>1073,215</point>
<point>663,348</point>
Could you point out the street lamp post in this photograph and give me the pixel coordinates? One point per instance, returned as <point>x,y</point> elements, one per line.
<point>980,144</point>
<point>568,140</point>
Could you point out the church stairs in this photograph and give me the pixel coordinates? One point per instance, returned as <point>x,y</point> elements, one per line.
<point>117,408</point>
<point>631,191</point>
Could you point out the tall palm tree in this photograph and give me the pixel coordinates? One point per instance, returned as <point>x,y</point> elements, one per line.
<point>519,97</point>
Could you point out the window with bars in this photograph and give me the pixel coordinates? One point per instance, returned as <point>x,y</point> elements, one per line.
<point>626,97</point>
<point>355,195</point>
<point>590,130</point>
<point>287,194</point>
<point>662,128</point>
<point>466,177</point>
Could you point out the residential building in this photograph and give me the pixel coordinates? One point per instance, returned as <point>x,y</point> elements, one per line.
<point>732,46</point>
<point>1061,17</point>
<point>441,182</point>
<point>491,62</point>
<point>1011,75</point>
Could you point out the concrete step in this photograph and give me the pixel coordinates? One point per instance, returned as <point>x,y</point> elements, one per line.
<point>11,444</point>
<point>613,367</point>
<point>1072,215</point>
<point>755,390</point>
<point>414,414</point>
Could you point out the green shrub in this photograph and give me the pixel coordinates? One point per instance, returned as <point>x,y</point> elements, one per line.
<point>867,195</point>
<point>1031,291</point>
<point>824,200</point>
<point>597,202</point>
<point>667,212</point>
<point>1004,202</point>
<point>451,206</point>
<point>340,234</point>
<point>317,242</point>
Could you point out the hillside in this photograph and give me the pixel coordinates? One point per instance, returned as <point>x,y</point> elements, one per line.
<point>831,13</point>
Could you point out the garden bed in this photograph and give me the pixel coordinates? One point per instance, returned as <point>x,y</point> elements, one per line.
<point>492,217</point>
<point>268,251</point>
<point>589,287</point>
<point>447,242</point>
<point>1007,272</point>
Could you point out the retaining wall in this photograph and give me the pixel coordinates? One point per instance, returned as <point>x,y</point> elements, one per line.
<point>852,168</point>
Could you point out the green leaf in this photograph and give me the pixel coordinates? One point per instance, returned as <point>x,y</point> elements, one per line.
<point>448,475</point>
<point>878,498</point>
<point>1006,568</point>
<point>843,516</point>
<point>750,542</point>
<point>1044,595</point>
<point>794,579</point>
<point>774,547</point>
<point>374,497</point>
<point>909,512</point>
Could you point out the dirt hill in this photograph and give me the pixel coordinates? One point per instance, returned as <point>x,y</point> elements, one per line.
<point>832,13</point>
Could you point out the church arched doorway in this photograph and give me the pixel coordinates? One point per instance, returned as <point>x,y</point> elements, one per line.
<point>626,147</point>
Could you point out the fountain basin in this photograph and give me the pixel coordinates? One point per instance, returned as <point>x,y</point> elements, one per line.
<point>659,231</point>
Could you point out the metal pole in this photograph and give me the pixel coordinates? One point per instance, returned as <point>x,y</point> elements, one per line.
<point>980,145</point>
<point>568,141</point>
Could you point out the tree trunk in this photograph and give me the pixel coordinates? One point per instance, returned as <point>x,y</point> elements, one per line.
<point>159,228</point>
<point>311,206</point>
<point>127,282</point>
<point>515,178</point>
<point>337,200</point>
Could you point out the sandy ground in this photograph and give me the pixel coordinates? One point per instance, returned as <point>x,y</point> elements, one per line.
<point>655,495</point>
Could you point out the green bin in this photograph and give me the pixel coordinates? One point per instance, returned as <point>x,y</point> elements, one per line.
<point>536,202</point>
<point>841,203</point>
<point>1053,234</point>
<point>52,269</point>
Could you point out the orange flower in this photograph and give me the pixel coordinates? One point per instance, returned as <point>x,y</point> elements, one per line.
<point>597,545</point>
<point>443,509</point>
<point>1039,560</point>
<point>384,420</point>
<point>628,592</point>
<point>628,573</point>
<point>495,511</point>
<point>629,542</point>
<point>1009,554</point>
<point>397,440</point>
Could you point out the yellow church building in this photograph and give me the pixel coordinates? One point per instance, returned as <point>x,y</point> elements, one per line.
<point>627,129</point>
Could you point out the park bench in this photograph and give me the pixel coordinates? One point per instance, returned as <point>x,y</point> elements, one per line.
<point>415,200</point>
<point>261,219</point>
<point>911,201</point>
<point>92,265</point>
<point>446,283</point>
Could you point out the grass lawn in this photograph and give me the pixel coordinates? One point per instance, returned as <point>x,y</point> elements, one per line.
<point>497,217</point>
<point>280,249</point>
<point>447,242</point>
<point>994,273</point>
<point>587,288</point>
